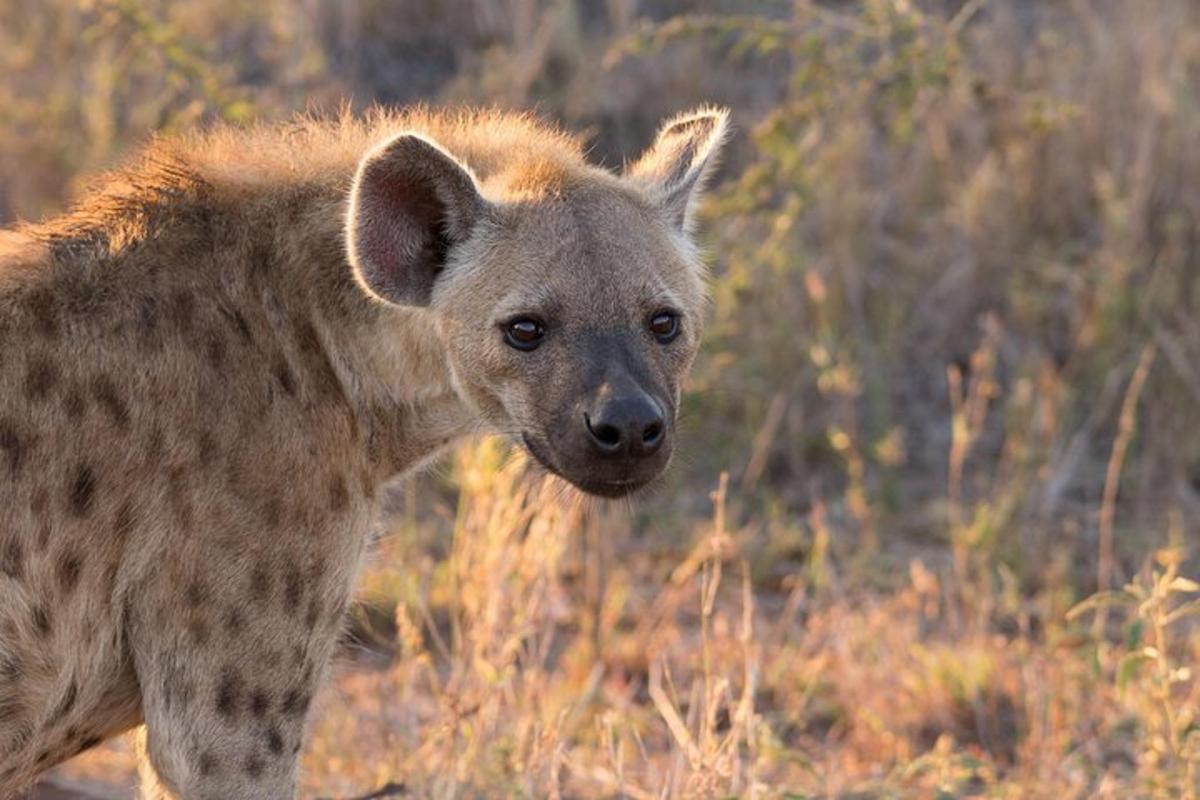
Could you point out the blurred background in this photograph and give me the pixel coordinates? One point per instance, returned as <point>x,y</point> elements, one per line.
<point>950,392</point>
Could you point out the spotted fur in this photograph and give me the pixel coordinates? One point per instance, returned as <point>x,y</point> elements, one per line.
<point>203,387</point>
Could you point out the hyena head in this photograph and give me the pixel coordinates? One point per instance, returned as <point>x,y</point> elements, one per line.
<point>569,300</point>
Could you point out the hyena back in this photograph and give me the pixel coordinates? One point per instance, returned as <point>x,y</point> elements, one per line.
<point>211,365</point>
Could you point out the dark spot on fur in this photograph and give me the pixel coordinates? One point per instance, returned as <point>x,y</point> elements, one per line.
<point>295,703</point>
<point>20,737</point>
<point>293,591</point>
<point>234,623</point>
<point>12,667</point>
<point>272,512</point>
<point>374,444</point>
<point>325,379</point>
<point>68,703</point>
<point>260,584</point>
<point>40,305</point>
<point>261,258</point>
<point>110,581</point>
<point>243,327</point>
<point>195,595</point>
<point>207,763</point>
<point>214,349</point>
<point>314,613</point>
<point>12,446</point>
<point>274,741</point>
<point>198,631</point>
<point>12,559</point>
<point>148,316</point>
<point>43,537</point>
<point>229,693</point>
<point>83,295</point>
<point>123,525</point>
<point>82,490</point>
<point>40,379</point>
<point>307,338</point>
<point>39,501</point>
<point>75,404</point>
<point>339,495</point>
<point>283,374</point>
<point>206,449</point>
<point>260,703</point>
<point>69,567</point>
<point>183,310</point>
<point>105,393</point>
<point>254,766</point>
<point>42,621</point>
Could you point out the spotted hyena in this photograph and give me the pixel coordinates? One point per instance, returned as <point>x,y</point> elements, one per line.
<point>210,366</point>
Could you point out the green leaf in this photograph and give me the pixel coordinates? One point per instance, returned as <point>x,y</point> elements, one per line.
<point>1133,637</point>
<point>1127,668</point>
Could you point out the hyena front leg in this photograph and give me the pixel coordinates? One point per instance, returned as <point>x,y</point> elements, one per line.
<point>227,679</point>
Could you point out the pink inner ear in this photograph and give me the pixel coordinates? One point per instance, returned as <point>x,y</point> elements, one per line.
<point>400,241</point>
<point>412,202</point>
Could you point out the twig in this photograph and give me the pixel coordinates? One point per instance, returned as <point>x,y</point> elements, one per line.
<point>1126,425</point>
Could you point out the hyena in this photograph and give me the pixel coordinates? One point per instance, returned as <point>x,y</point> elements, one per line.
<point>209,367</point>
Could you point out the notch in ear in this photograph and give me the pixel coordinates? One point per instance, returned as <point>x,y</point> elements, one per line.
<point>411,201</point>
<point>675,168</point>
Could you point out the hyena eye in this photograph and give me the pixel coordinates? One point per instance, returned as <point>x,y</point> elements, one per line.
<point>524,333</point>
<point>665,326</point>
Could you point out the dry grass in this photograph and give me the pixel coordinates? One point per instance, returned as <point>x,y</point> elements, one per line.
<point>546,653</point>
<point>951,377</point>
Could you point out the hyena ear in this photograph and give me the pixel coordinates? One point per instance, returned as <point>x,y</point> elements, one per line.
<point>674,170</point>
<point>410,203</point>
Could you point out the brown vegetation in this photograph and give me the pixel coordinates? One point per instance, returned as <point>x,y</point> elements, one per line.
<point>952,379</point>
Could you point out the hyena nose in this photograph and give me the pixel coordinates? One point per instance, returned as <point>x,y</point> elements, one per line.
<point>631,426</point>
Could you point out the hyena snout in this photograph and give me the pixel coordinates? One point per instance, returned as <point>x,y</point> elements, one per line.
<point>629,426</point>
<point>621,438</point>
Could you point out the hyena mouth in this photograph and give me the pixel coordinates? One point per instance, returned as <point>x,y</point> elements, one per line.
<point>534,450</point>
<point>611,489</point>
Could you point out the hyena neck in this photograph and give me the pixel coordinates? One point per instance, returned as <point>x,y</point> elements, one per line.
<point>389,361</point>
<point>412,409</point>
